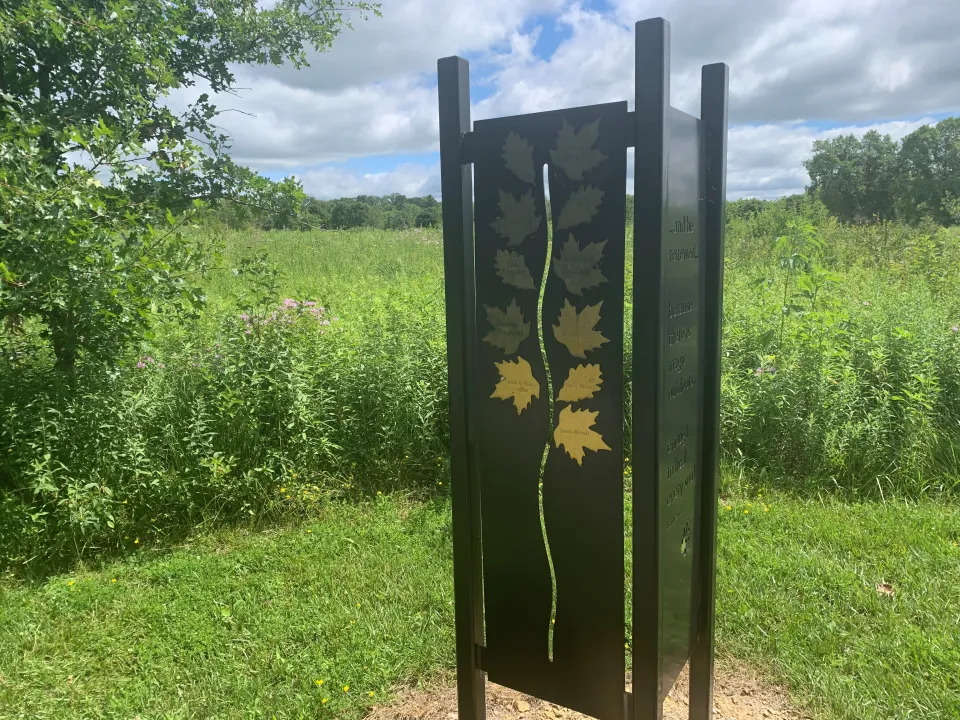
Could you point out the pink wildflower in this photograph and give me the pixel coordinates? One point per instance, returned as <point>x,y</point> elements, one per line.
<point>309,304</point>
<point>289,303</point>
<point>141,365</point>
<point>245,317</point>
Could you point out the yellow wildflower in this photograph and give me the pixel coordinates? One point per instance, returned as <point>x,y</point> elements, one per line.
<point>324,701</point>
<point>319,682</point>
<point>346,688</point>
<point>371,693</point>
<point>114,580</point>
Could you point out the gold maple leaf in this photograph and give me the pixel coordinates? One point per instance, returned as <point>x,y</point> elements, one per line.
<point>576,267</point>
<point>581,383</point>
<point>580,207</point>
<point>513,270</point>
<point>574,433</point>
<point>518,154</point>
<point>509,329</point>
<point>517,383</point>
<point>576,330</point>
<point>518,217</point>
<point>575,153</point>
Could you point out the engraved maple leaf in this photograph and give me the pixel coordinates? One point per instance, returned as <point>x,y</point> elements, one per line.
<point>574,433</point>
<point>512,268</point>
<point>575,153</point>
<point>575,330</point>
<point>516,383</point>
<point>581,383</point>
<point>580,207</point>
<point>576,267</point>
<point>518,217</point>
<point>518,155</point>
<point>509,329</point>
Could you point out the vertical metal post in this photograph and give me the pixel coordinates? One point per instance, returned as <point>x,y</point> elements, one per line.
<point>713,115</point>
<point>650,168</point>
<point>453,80</point>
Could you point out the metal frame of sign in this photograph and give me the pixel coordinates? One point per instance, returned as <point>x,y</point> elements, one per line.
<point>678,238</point>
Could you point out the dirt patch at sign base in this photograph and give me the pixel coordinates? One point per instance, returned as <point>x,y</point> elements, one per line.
<point>738,695</point>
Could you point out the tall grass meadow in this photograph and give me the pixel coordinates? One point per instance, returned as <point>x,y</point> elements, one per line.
<point>318,370</point>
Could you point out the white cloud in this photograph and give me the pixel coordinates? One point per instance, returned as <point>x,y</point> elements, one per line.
<point>795,64</point>
<point>288,127</point>
<point>764,161</point>
<point>410,179</point>
<point>409,38</point>
<point>840,60</point>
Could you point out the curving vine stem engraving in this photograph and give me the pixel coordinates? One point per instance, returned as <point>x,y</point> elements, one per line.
<point>550,401</point>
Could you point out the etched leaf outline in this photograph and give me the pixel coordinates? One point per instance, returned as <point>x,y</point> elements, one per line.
<point>575,153</point>
<point>580,207</point>
<point>581,383</point>
<point>575,330</point>
<point>509,329</point>
<point>574,433</point>
<point>517,383</point>
<point>518,217</point>
<point>513,270</point>
<point>518,156</point>
<point>576,267</point>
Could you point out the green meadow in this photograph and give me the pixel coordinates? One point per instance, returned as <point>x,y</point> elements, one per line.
<point>249,515</point>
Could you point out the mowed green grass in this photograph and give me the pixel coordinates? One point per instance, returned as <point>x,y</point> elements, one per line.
<point>243,625</point>
<point>239,625</point>
<point>798,596</point>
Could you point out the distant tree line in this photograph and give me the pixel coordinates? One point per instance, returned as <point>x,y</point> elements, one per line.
<point>391,212</point>
<point>858,179</point>
<point>875,178</point>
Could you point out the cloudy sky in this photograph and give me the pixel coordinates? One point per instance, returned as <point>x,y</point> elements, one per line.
<point>363,118</point>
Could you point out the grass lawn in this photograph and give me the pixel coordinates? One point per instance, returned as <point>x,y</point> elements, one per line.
<point>245,625</point>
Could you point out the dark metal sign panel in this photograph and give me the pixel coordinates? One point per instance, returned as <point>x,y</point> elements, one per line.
<point>535,350</point>
<point>549,319</point>
<point>681,392</point>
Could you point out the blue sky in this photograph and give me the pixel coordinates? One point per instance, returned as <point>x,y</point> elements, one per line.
<point>362,118</point>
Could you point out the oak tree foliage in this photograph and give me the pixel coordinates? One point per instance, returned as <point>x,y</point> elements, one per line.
<point>98,174</point>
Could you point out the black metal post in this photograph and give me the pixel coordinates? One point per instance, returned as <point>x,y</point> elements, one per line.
<point>650,168</point>
<point>713,115</point>
<point>453,79</point>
